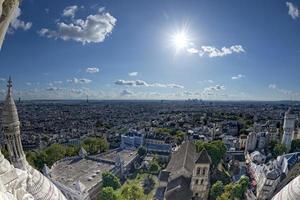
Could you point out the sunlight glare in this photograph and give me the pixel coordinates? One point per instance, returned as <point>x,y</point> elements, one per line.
<point>180,40</point>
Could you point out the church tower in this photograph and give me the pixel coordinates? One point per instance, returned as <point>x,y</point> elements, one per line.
<point>288,128</point>
<point>11,128</point>
<point>200,178</point>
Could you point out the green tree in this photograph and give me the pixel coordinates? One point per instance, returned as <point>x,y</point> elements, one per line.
<point>108,193</point>
<point>142,151</point>
<point>5,153</point>
<point>148,184</point>
<point>244,181</point>
<point>278,150</point>
<point>295,145</point>
<point>237,191</point>
<point>110,180</point>
<point>132,191</point>
<point>272,144</point>
<point>71,151</point>
<point>216,150</point>
<point>154,167</point>
<point>31,158</point>
<point>224,196</point>
<point>216,190</point>
<point>234,190</point>
<point>54,153</point>
<point>179,135</point>
<point>95,145</point>
<point>41,159</point>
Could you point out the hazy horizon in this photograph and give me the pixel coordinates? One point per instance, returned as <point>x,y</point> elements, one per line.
<point>153,50</point>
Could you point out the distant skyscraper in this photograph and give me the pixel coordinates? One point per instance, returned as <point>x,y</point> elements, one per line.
<point>288,128</point>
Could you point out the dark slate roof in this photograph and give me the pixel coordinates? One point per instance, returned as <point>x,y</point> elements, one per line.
<point>204,158</point>
<point>182,161</point>
<point>239,157</point>
<point>274,174</point>
<point>180,170</point>
<point>164,176</point>
<point>179,189</point>
<point>159,194</point>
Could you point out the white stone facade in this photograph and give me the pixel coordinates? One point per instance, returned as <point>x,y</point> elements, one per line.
<point>288,128</point>
<point>290,192</point>
<point>20,181</point>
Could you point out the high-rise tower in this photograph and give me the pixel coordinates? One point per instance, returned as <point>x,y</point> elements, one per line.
<point>11,127</point>
<point>288,128</point>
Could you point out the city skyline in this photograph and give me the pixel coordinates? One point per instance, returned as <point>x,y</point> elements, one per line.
<point>208,50</point>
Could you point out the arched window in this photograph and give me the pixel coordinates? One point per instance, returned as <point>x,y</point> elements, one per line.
<point>204,171</point>
<point>198,170</point>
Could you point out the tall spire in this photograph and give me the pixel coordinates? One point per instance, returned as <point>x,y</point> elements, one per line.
<point>9,86</point>
<point>11,126</point>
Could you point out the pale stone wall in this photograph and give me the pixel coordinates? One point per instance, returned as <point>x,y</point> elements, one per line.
<point>200,181</point>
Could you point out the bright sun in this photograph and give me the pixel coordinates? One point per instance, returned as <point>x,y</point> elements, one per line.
<point>180,40</point>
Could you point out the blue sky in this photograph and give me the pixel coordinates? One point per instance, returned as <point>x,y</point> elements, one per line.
<point>233,50</point>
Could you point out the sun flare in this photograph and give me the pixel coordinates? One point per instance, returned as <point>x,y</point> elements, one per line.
<point>180,40</point>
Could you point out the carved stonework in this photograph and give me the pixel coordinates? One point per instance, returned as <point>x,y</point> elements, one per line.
<point>7,9</point>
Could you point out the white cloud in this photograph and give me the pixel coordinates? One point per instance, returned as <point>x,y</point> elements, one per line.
<point>144,83</point>
<point>57,82</point>
<point>124,82</point>
<point>92,70</point>
<point>2,79</point>
<point>77,91</point>
<point>206,81</point>
<point>293,10</point>
<point>133,73</point>
<point>214,88</point>
<point>93,29</point>
<point>272,86</point>
<point>53,89</point>
<point>126,93</point>
<point>192,50</point>
<point>70,11</point>
<point>170,85</point>
<point>101,9</point>
<point>239,76</point>
<point>280,90</point>
<point>17,23</point>
<point>212,51</point>
<point>79,80</point>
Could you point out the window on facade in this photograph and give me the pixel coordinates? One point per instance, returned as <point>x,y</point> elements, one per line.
<point>202,181</point>
<point>196,194</point>
<point>204,171</point>
<point>197,182</point>
<point>198,170</point>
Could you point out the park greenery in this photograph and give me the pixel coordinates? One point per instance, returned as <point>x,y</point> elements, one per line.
<point>55,152</point>
<point>231,191</point>
<point>295,145</point>
<point>110,180</point>
<point>276,148</point>
<point>154,166</point>
<point>131,190</point>
<point>142,151</point>
<point>95,145</point>
<point>216,150</point>
<point>177,135</point>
